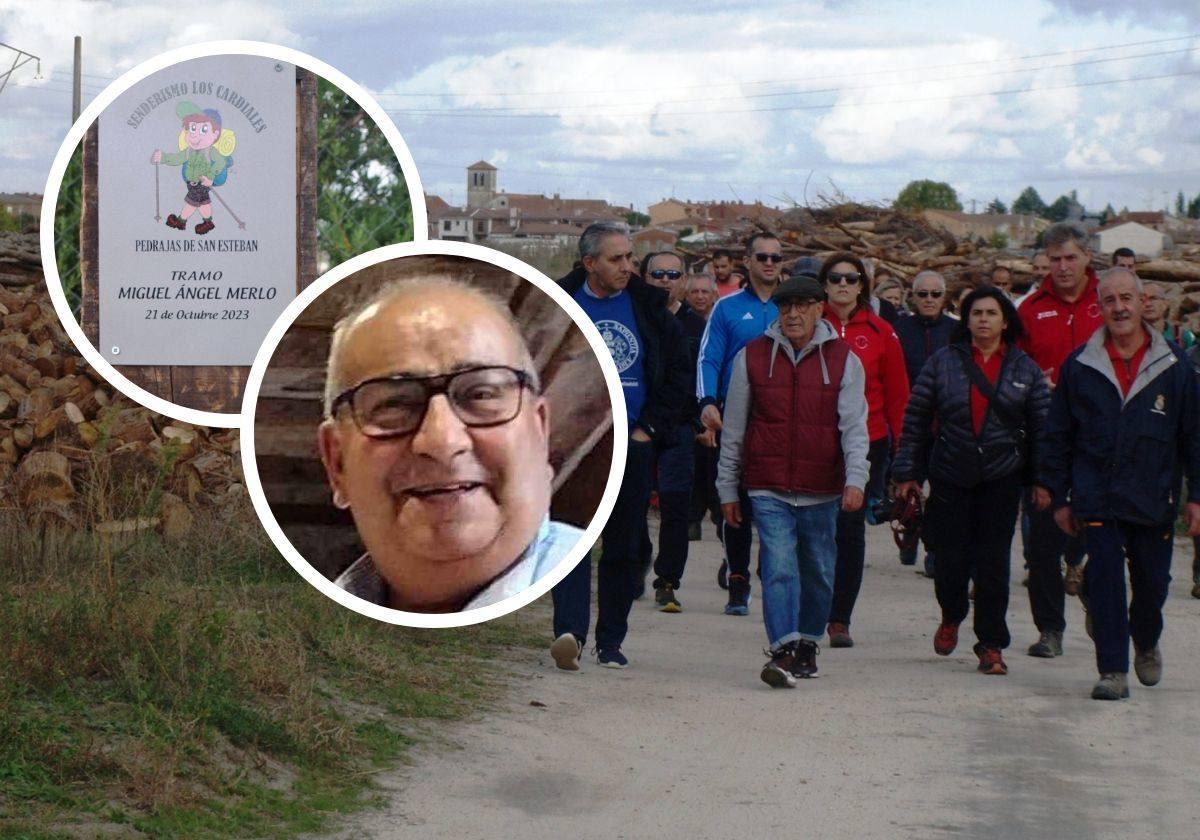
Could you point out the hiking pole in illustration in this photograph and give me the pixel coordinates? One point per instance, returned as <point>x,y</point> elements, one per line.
<point>228,209</point>
<point>157,212</point>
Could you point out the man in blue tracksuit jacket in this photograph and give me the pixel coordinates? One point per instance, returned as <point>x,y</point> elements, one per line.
<point>1124,424</point>
<point>736,320</point>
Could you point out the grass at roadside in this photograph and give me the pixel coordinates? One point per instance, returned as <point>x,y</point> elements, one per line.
<point>202,688</point>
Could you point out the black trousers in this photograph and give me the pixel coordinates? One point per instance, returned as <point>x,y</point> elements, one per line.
<point>974,531</point>
<point>852,539</point>
<point>1047,542</point>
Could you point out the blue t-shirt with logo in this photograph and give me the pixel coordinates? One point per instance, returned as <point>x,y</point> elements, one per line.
<point>613,317</point>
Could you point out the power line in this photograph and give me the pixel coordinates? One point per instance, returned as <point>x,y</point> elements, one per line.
<point>810,91</point>
<point>814,107</point>
<point>823,77</point>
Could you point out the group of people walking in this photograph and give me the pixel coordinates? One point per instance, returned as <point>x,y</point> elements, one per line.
<point>812,392</point>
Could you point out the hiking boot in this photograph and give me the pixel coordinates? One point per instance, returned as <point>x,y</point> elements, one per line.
<point>694,534</point>
<point>176,222</point>
<point>565,650</point>
<point>908,556</point>
<point>205,226</point>
<point>1147,664</point>
<point>1114,686</point>
<point>739,596</point>
<point>611,657</point>
<point>723,575</point>
<point>804,667</point>
<point>1073,580</point>
<point>839,635</point>
<point>777,673</point>
<point>990,660</point>
<point>1048,645</point>
<point>945,640</point>
<point>665,600</point>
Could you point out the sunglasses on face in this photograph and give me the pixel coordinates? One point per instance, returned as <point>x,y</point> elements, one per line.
<point>835,278</point>
<point>766,258</point>
<point>924,293</point>
<point>669,274</point>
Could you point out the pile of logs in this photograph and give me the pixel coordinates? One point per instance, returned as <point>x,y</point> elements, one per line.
<point>20,261</point>
<point>904,243</point>
<point>74,452</point>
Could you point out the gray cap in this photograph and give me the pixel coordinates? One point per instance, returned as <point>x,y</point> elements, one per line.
<point>798,288</point>
<point>806,267</point>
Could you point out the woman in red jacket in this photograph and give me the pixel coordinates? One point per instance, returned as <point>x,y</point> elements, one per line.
<point>848,309</point>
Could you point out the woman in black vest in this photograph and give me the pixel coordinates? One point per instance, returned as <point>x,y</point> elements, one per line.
<point>987,400</point>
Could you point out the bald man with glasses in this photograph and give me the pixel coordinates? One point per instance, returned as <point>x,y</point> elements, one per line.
<point>436,439</point>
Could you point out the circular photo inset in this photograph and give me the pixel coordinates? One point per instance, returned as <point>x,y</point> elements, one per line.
<point>428,434</point>
<point>196,197</point>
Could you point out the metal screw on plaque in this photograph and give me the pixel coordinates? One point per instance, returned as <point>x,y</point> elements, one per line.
<point>278,68</point>
<point>116,351</point>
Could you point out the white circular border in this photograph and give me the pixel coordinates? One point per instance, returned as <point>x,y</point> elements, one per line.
<point>92,113</point>
<point>411,619</point>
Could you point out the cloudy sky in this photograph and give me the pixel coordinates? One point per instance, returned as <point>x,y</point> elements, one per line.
<point>779,102</point>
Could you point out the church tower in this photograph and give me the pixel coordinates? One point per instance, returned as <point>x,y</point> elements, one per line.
<point>481,184</point>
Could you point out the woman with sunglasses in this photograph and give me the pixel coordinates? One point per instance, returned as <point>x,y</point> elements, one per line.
<point>848,310</point>
<point>987,401</point>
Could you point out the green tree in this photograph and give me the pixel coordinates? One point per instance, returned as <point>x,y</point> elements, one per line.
<point>1029,202</point>
<point>1180,204</point>
<point>998,240</point>
<point>1058,211</point>
<point>1108,214</point>
<point>996,206</point>
<point>1193,208</point>
<point>637,220</point>
<point>362,200</point>
<point>928,195</point>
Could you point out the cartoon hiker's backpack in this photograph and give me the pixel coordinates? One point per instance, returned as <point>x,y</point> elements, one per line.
<point>225,145</point>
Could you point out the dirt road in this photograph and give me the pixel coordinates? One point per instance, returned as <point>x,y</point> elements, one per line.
<point>890,742</point>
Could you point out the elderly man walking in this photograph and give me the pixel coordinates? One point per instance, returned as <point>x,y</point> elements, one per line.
<point>1123,424</point>
<point>795,437</point>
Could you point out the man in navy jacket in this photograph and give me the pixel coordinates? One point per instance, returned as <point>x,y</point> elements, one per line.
<point>1123,425</point>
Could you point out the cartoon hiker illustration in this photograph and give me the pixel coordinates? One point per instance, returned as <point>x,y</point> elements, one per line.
<point>205,153</point>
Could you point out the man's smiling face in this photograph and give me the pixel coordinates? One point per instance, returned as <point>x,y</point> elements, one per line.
<point>447,493</point>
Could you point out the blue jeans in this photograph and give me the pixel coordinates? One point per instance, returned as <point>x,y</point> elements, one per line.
<point>798,551</point>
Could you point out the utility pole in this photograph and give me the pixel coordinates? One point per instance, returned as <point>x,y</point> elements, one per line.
<point>76,85</point>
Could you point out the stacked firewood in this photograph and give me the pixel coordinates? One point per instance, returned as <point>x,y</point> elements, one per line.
<point>905,243</point>
<point>20,262</point>
<point>74,452</point>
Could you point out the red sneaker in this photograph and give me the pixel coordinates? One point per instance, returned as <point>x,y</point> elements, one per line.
<point>991,662</point>
<point>945,640</point>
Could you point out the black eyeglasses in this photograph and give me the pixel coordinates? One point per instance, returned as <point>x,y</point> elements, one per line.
<point>925,293</point>
<point>394,406</point>
<point>766,258</point>
<point>669,274</point>
<point>835,278</point>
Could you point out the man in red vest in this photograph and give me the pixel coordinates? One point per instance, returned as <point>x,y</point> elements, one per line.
<point>1058,318</point>
<point>795,436</point>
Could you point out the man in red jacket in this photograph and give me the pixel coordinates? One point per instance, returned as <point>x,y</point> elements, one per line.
<point>1059,317</point>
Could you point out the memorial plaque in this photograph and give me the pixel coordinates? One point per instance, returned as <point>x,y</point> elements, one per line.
<point>197,183</point>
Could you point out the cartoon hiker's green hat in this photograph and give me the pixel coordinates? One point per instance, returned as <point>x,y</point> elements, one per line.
<point>187,109</point>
